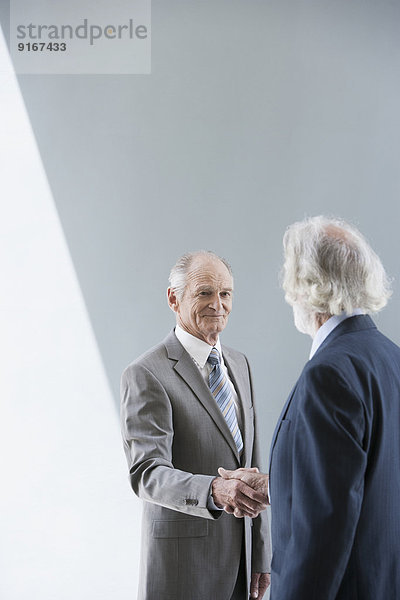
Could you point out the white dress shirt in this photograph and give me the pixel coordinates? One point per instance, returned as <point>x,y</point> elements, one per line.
<point>199,352</point>
<point>328,327</point>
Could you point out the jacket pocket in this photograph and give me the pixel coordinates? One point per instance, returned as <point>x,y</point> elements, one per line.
<point>180,529</point>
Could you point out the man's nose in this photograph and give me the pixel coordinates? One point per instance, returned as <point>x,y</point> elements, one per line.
<point>216,303</point>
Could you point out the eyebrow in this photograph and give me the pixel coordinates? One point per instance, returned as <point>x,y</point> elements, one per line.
<point>207,288</point>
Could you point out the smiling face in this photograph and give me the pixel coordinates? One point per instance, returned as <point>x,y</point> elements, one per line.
<point>204,308</point>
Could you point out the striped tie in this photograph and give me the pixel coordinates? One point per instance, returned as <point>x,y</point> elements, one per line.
<point>220,389</point>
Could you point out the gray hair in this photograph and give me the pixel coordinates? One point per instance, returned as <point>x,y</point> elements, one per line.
<point>180,270</point>
<point>330,268</point>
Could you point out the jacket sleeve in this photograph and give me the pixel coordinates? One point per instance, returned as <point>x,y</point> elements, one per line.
<point>327,474</point>
<point>261,543</point>
<point>147,431</point>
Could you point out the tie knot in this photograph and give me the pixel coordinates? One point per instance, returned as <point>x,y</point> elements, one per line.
<point>214,357</point>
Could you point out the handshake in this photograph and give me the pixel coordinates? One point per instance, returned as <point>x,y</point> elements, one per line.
<point>243,493</point>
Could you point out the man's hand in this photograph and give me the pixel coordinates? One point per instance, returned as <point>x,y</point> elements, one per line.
<point>253,478</point>
<point>259,584</point>
<point>237,497</point>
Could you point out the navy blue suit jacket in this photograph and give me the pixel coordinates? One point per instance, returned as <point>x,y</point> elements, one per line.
<point>335,473</point>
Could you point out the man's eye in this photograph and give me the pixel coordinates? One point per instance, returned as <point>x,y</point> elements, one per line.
<point>225,294</point>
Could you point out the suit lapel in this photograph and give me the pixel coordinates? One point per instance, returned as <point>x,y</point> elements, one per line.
<point>188,371</point>
<point>236,376</point>
<point>281,417</point>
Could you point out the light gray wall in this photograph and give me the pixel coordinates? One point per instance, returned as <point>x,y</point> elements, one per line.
<point>256,113</point>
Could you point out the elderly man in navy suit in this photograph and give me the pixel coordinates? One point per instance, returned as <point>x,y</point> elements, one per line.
<point>335,455</point>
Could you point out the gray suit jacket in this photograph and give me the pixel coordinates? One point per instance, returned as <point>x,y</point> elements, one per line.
<point>175,438</point>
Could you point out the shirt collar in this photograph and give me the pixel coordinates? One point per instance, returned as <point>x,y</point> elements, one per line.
<point>198,349</point>
<point>329,326</point>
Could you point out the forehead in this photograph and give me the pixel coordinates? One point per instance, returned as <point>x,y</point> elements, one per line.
<point>209,271</point>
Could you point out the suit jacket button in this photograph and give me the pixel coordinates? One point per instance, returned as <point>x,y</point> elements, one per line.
<point>191,501</point>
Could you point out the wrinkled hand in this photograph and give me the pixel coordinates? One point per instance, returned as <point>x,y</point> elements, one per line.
<point>252,478</point>
<point>235,495</point>
<point>259,584</point>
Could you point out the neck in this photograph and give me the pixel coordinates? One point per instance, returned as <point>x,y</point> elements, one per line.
<point>211,339</point>
<point>321,318</point>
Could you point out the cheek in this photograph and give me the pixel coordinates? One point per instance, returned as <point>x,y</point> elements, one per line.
<point>196,309</point>
<point>186,311</point>
<point>228,307</point>
<point>199,306</point>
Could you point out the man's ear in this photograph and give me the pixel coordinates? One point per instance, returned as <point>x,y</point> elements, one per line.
<point>172,300</point>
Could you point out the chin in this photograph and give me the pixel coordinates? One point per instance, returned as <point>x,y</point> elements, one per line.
<point>215,324</point>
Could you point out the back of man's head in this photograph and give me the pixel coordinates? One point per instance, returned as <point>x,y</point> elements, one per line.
<point>330,268</point>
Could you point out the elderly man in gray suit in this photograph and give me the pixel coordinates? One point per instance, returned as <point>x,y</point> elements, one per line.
<point>187,407</point>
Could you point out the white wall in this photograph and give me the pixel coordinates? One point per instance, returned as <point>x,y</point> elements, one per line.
<point>69,523</point>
